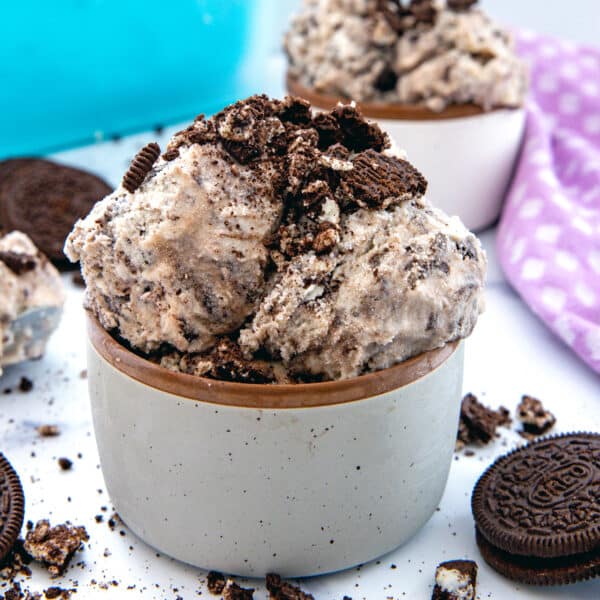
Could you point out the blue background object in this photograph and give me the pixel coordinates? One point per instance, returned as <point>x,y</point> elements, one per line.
<point>75,70</point>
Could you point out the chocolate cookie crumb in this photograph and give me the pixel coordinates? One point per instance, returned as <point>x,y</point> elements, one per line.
<point>378,180</point>
<point>535,418</point>
<point>78,279</point>
<point>140,167</point>
<point>17,262</point>
<point>423,11</point>
<point>461,5</point>
<point>16,592</point>
<point>57,592</point>
<point>215,582</point>
<point>233,591</point>
<point>455,580</point>
<point>25,385</point>
<point>48,430</point>
<point>478,423</point>
<point>15,562</point>
<point>281,590</point>
<point>65,463</point>
<point>54,546</point>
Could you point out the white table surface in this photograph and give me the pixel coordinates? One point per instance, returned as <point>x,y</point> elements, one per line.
<point>510,353</point>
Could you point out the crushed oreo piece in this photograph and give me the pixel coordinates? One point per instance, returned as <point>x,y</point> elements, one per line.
<point>170,155</point>
<point>535,418</point>
<point>327,238</point>
<point>281,590</point>
<point>16,592</point>
<point>394,13</point>
<point>54,546</point>
<point>58,592</point>
<point>358,134</point>
<point>423,11</point>
<point>295,110</point>
<point>380,181</point>
<point>215,582</point>
<point>233,591</point>
<point>386,80</point>
<point>18,262</point>
<point>461,5</point>
<point>78,279</point>
<point>478,423</point>
<point>15,563</point>
<point>65,463</point>
<point>140,167</point>
<point>48,430</point>
<point>25,385</point>
<point>455,580</point>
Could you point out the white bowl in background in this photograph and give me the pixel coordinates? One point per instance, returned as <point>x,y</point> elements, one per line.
<point>296,479</point>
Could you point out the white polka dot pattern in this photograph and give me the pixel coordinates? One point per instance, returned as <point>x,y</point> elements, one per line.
<point>549,235</point>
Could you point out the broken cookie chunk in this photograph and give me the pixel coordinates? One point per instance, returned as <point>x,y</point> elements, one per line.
<point>478,423</point>
<point>233,591</point>
<point>281,590</point>
<point>535,418</point>
<point>54,546</point>
<point>455,580</point>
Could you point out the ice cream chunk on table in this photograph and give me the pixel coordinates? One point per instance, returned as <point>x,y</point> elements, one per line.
<point>31,299</point>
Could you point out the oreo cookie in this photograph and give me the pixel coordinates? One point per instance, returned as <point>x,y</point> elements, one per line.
<point>12,507</point>
<point>537,511</point>
<point>44,200</point>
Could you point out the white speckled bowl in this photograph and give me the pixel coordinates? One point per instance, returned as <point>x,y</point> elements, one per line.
<point>295,479</point>
<point>466,154</point>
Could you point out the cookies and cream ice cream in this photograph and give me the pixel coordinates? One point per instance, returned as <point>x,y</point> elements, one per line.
<point>419,52</point>
<point>28,281</point>
<point>268,244</point>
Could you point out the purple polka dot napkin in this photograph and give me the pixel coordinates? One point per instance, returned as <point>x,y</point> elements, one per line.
<point>549,233</point>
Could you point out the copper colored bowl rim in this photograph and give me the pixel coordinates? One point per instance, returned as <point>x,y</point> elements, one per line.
<point>258,396</point>
<point>379,110</point>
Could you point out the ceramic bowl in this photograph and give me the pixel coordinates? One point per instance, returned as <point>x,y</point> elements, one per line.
<point>466,154</point>
<point>295,479</point>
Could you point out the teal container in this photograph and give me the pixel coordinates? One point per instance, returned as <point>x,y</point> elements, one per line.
<point>72,71</point>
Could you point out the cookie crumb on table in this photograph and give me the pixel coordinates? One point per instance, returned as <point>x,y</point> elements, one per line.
<point>25,385</point>
<point>455,580</point>
<point>281,590</point>
<point>65,463</point>
<point>215,582</point>
<point>535,418</point>
<point>54,546</point>
<point>48,430</point>
<point>478,423</point>
<point>232,591</point>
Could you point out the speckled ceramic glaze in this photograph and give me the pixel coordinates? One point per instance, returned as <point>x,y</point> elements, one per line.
<point>248,481</point>
<point>467,155</point>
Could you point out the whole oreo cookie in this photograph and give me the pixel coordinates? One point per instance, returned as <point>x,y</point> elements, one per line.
<point>12,507</point>
<point>537,511</point>
<point>44,200</point>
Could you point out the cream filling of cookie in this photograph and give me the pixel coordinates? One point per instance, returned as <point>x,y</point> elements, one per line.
<point>454,582</point>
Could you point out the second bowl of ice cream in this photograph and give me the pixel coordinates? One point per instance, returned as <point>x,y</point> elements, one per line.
<point>275,316</point>
<point>441,77</point>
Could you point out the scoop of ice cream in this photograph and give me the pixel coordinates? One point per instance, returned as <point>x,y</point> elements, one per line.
<point>423,52</point>
<point>27,281</point>
<point>268,244</point>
